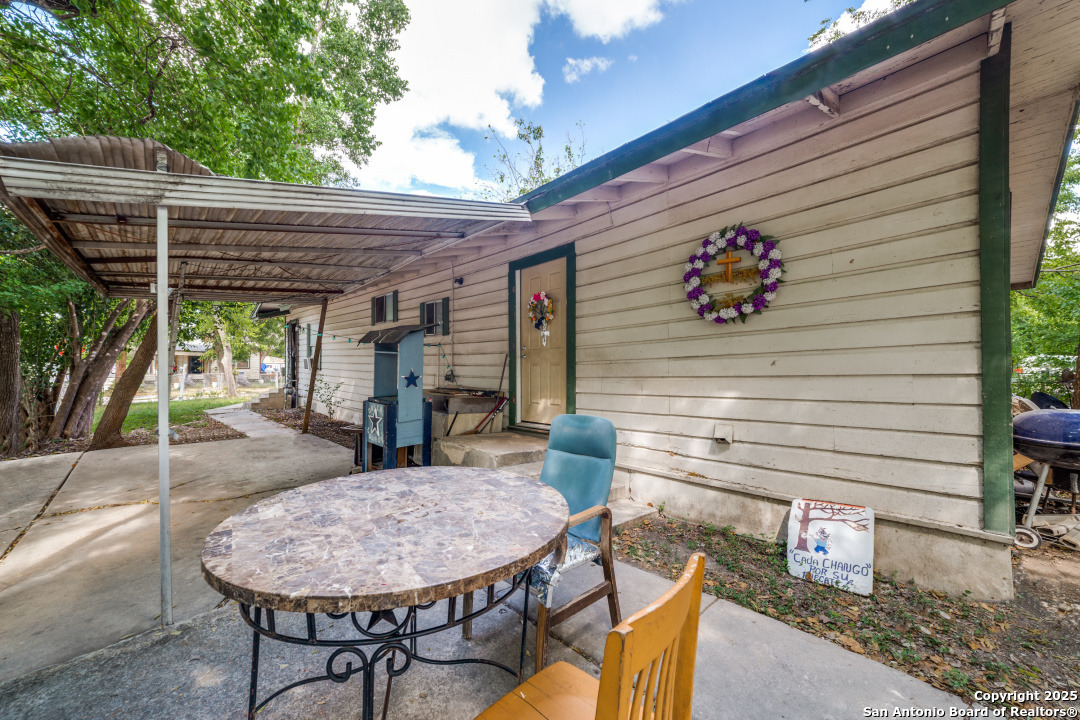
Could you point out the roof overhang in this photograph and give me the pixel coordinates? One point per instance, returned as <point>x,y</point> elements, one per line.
<point>229,238</point>
<point>1045,84</point>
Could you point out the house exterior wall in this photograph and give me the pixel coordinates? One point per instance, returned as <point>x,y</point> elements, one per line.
<point>860,384</point>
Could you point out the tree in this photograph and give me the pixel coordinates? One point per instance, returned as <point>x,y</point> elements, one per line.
<point>1046,319</point>
<point>280,91</point>
<point>828,512</point>
<point>231,332</point>
<point>107,433</point>
<point>527,167</point>
<point>10,382</point>
<point>852,19</point>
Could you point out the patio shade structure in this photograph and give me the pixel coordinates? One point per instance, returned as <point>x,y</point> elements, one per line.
<point>136,219</point>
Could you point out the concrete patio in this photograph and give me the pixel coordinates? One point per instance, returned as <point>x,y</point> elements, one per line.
<point>79,600</point>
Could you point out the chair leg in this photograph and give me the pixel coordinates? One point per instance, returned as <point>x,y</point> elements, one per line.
<point>613,594</point>
<point>541,634</point>
<point>607,561</point>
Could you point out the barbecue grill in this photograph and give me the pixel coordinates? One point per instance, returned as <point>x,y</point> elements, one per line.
<point>1051,438</point>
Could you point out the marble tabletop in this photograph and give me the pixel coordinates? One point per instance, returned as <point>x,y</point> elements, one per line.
<point>382,540</point>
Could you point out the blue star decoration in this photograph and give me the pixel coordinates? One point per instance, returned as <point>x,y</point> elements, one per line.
<point>410,379</point>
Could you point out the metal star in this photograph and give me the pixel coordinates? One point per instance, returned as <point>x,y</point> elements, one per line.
<point>375,419</point>
<point>379,615</point>
<point>410,379</point>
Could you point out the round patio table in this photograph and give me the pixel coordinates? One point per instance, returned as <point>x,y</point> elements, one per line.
<point>388,544</point>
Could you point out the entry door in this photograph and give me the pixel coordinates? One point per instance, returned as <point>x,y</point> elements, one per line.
<point>543,366</point>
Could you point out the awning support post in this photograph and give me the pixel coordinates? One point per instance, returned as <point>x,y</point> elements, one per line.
<point>314,367</point>
<point>164,367</point>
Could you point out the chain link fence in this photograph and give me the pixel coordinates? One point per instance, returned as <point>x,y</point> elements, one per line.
<point>185,386</point>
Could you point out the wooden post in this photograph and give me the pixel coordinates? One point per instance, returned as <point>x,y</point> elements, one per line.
<point>314,367</point>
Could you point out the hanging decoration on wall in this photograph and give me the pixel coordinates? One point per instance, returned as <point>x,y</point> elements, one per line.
<point>720,247</point>
<point>542,312</point>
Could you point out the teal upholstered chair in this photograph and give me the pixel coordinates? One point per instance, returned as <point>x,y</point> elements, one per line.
<point>580,463</point>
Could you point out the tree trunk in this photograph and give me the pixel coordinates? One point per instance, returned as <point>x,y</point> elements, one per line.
<point>10,383</point>
<point>107,434</point>
<point>804,528</point>
<point>226,358</point>
<point>1076,380</point>
<point>82,409</point>
<point>121,365</point>
<point>80,365</point>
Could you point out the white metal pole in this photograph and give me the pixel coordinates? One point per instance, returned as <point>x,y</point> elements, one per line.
<point>164,366</point>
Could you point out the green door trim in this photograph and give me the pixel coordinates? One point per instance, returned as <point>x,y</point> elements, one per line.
<point>562,251</point>
<point>994,284</point>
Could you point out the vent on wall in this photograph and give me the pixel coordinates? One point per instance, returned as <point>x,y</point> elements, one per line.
<point>307,363</point>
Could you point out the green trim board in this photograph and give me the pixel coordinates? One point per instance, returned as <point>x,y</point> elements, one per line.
<point>1062,166</point>
<point>562,251</point>
<point>897,32</point>
<point>994,246</point>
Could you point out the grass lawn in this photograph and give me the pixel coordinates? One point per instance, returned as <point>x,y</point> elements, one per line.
<point>181,412</point>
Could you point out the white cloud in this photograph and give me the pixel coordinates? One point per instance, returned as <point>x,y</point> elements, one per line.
<point>468,66</point>
<point>607,19</point>
<point>576,68</point>
<point>632,58</point>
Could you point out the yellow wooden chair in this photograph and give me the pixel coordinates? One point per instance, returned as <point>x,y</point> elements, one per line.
<point>648,671</point>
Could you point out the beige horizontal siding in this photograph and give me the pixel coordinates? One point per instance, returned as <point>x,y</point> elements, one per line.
<point>860,384</point>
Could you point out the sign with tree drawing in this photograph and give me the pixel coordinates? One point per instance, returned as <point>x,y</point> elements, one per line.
<point>832,544</point>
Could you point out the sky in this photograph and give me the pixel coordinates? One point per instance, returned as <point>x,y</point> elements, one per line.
<point>620,68</point>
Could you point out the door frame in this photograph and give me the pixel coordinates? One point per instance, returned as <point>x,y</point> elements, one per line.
<point>562,251</point>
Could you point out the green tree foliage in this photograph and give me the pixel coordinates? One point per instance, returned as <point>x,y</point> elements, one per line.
<point>1046,319</point>
<point>525,165</point>
<point>835,29</point>
<point>274,90</point>
<point>38,287</point>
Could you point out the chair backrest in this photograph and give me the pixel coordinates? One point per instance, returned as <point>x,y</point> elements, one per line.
<point>648,669</point>
<point>580,463</point>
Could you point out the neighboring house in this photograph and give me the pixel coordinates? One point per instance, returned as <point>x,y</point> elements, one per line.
<point>907,173</point>
<point>187,357</point>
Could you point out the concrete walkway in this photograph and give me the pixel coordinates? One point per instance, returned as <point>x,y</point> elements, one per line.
<point>85,574</point>
<point>749,667</point>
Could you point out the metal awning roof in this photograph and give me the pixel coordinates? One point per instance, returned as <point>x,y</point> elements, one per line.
<point>92,201</point>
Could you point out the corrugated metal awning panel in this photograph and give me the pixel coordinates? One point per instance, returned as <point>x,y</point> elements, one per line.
<point>229,238</point>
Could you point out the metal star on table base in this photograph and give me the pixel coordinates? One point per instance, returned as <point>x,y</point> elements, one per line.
<point>378,616</point>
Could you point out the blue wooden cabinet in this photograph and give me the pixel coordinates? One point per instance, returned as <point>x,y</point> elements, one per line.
<point>397,416</point>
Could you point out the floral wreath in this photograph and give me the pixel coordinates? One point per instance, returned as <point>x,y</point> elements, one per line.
<point>769,269</point>
<point>542,312</point>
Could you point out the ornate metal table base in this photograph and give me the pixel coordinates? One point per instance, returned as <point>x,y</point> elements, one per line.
<point>397,646</point>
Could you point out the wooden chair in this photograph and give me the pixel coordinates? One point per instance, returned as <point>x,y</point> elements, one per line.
<point>580,464</point>
<point>648,670</point>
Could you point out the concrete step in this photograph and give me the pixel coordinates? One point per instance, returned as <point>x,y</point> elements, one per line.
<point>271,399</point>
<point>490,450</point>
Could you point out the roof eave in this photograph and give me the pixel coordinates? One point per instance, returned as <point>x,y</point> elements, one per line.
<point>886,37</point>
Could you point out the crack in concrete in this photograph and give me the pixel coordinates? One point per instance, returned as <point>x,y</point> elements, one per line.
<point>148,502</point>
<point>43,509</point>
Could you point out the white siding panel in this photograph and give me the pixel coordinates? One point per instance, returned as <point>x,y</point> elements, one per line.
<point>861,382</point>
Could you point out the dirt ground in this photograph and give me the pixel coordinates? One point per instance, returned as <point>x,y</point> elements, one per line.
<point>958,645</point>
<point>206,429</point>
<point>318,424</point>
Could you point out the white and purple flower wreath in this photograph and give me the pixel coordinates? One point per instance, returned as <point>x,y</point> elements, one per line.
<point>763,247</point>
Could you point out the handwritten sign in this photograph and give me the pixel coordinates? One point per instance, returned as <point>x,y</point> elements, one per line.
<point>832,544</point>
